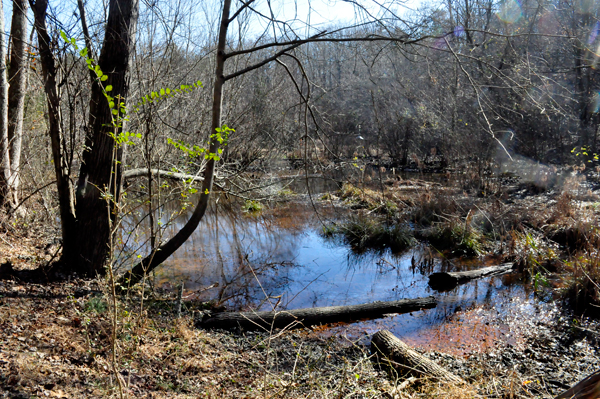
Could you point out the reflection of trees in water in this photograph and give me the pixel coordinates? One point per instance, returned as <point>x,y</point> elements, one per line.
<point>248,256</point>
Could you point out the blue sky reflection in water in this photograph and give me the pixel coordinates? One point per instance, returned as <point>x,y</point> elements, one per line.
<point>282,254</point>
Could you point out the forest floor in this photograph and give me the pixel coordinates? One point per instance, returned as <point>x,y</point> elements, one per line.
<point>56,341</point>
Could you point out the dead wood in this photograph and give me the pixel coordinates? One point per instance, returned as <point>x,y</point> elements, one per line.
<point>447,280</point>
<point>400,359</point>
<point>588,388</point>
<point>313,316</point>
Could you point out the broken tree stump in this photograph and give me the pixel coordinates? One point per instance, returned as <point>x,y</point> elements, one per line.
<point>399,358</point>
<point>447,280</point>
<point>298,318</point>
<point>588,388</point>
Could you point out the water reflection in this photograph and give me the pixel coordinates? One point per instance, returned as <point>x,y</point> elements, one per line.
<point>279,258</point>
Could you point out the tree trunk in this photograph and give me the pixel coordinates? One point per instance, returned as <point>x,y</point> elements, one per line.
<point>447,281</point>
<point>17,77</point>
<point>159,255</point>
<point>314,316</point>
<point>588,388</point>
<point>399,358</point>
<point>61,170</point>
<point>101,168</point>
<point>4,142</point>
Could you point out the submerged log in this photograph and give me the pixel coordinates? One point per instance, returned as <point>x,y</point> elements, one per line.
<point>446,281</point>
<point>401,360</point>
<point>588,388</point>
<point>314,316</point>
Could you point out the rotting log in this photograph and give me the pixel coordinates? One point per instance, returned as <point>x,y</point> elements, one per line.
<point>588,388</point>
<point>443,281</point>
<point>298,318</point>
<point>401,360</point>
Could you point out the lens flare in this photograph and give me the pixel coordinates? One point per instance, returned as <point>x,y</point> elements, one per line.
<point>594,33</point>
<point>459,31</point>
<point>510,11</point>
<point>596,103</point>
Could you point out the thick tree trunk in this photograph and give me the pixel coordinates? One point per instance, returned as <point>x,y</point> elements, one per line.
<point>446,281</point>
<point>61,170</point>
<point>314,316</point>
<point>159,255</point>
<point>588,388</point>
<point>399,358</point>
<point>102,159</point>
<point>17,77</point>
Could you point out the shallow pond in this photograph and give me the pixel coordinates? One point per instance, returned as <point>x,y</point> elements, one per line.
<point>279,258</point>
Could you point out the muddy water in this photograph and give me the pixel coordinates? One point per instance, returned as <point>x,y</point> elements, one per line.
<point>279,258</point>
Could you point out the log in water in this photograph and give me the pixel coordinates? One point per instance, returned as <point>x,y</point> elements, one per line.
<point>298,318</point>
<point>446,281</point>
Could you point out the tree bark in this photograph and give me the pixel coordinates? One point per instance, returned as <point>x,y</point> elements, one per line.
<point>588,388</point>
<point>101,169</point>
<point>61,170</point>
<point>5,145</point>
<point>446,281</point>
<point>399,358</point>
<point>17,77</point>
<point>159,255</point>
<point>314,316</point>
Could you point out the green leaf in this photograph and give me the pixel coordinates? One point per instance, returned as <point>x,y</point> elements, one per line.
<point>108,88</point>
<point>111,104</point>
<point>168,91</point>
<point>104,78</point>
<point>64,36</point>
<point>162,92</point>
<point>115,112</point>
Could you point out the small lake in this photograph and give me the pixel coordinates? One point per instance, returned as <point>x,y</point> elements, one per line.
<point>279,258</point>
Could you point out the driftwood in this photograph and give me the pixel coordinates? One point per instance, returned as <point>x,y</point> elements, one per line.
<point>399,358</point>
<point>313,316</point>
<point>446,281</point>
<point>588,388</point>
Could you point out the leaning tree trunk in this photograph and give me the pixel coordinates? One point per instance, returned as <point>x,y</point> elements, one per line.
<point>159,255</point>
<point>102,159</point>
<point>17,76</point>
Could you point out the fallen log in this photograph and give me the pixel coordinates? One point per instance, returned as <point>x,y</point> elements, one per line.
<point>139,172</point>
<point>298,318</point>
<point>447,280</point>
<point>588,388</point>
<point>401,360</point>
